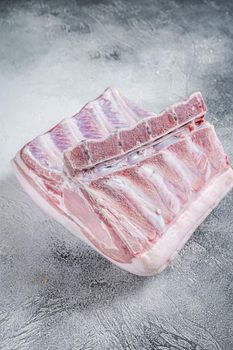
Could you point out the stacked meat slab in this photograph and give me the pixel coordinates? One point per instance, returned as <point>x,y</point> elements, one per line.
<point>132,184</point>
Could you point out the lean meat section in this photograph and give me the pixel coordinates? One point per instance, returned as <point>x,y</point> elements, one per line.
<point>132,184</point>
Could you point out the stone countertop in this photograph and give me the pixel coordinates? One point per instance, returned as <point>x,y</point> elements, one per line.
<point>55,292</point>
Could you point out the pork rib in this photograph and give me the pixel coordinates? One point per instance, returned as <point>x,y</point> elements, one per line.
<point>88,152</point>
<point>132,184</point>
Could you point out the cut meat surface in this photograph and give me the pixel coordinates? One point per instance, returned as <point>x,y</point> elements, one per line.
<point>162,124</point>
<point>194,107</point>
<point>131,138</point>
<point>142,132</point>
<point>132,184</point>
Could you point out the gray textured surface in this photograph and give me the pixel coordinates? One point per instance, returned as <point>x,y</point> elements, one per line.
<point>56,293</point>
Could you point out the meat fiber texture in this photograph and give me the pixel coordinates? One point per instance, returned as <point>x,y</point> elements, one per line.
<point>132,184</point>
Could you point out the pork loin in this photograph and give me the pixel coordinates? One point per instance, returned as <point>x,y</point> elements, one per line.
<point>132,184</point>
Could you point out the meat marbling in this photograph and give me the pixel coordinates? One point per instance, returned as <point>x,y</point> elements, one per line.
<point>132,184</point>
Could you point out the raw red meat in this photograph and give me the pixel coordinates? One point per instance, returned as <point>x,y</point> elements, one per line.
<point>132,184</point>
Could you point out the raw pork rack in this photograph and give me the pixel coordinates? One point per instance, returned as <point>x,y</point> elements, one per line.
<point>132,184</point>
